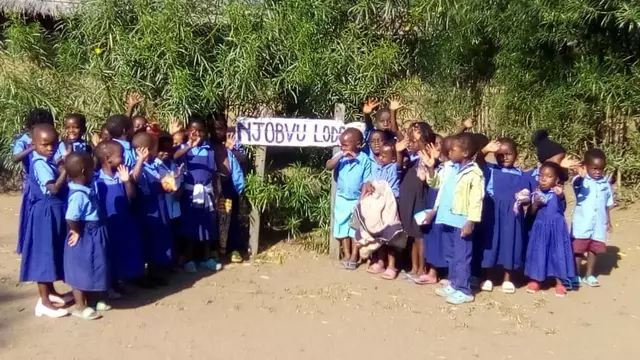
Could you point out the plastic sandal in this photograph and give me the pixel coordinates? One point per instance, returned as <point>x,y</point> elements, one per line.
<point>375,269</point>
<point>42,310</point>
<point>487,285</point>
<point>236,258</point>
<point>592,281</point>
<point>508,287</point>
<point>533,287</point>
<point>86,314</point>
<point>561,291</point>
<point>389,274</point>
<point>425,280</point>
<point>351,265</point>
<point>103,306</point>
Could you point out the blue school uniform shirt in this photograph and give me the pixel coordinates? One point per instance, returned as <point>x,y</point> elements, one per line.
<point>21,144</point>
<point>388,173</point>
<point>79,146</point>
<point>444,215</point>
<point>593,197</point>
<point>81,205</point>
<point>237,176</point>
<point>351,174</point>
<point>45,171</point>
<point>153,168</point>
<point>494,167</point>
<point>173,202</point>
<point>130,156</point>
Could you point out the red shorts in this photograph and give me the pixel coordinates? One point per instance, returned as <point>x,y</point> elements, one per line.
<point>581,246</point>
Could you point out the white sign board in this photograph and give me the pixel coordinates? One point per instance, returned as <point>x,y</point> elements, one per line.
<point>288,132</point>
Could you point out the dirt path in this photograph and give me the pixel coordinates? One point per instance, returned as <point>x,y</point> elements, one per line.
<point>307,308</point>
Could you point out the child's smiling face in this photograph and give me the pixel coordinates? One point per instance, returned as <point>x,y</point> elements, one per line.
<point>73,129</point>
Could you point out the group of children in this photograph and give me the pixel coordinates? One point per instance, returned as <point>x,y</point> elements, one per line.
<point>475,220</point>
<point>129,208</point>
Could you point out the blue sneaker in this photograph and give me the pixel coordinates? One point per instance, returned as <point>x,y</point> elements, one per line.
<point>190,267</point>
<point>575,282</point>
<point>211,265</point>
<point>459,298</point>
<point>445,291</point>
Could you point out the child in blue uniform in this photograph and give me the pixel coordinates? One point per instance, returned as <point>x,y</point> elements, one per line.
<point>230,186</point>
<point>115,190</point>
<point>75,126</point>
<point>170,167</point>
<point>46,230</point>
<point>86,267</point>
<point>157,243</point>
<point>22,152</point>
<point>351,168</point>
<point>549,252</point>
<point>591,220</point>
<point>503,218</point>
<point>385,121</point>
<point>120,129</point>
<point>199,221</point>
<point>458,208</point>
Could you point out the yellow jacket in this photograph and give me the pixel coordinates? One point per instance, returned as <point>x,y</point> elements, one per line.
<point>469,191</point>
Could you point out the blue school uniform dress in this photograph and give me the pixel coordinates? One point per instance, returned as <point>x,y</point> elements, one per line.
<point>21,144</point>
<point>46,228</point>
<point>157,239</point>
<point>457,251</point>
<point>173,202</point>
<point>549,252</point>
<point>350,174</point>
<point>388,173</point>
<point>125,243</point>
<point>593,198</point>
<point>503,230</point>
<point>76,146</point>
<point>231,188</point>
<point>435,252</point>
<point>86,264</point>
<point>130,156</point>
<point>199,222</point>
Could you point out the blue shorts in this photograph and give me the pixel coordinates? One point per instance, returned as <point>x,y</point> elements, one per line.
<point>342,212</point>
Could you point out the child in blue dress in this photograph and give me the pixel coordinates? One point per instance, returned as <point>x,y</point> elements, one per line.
<point>351,168</point>
<point>157,240</point>
<point>75,126</point>
<point>458,208</point>
<point>549,252</point>
<point>115,190</point>
<point>22,152</point>
<point>120,129</point>
<point>86,267</point>
<point>170,167</point>
<point>199,220</point>
<point>591,219</point>
<point>46,230</point>
<point>503,218</point>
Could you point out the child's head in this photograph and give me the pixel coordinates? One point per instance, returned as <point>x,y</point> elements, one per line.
<point>549,175</point>
<point>383,119</point>
<point>120,127</point>
<point>79,166</point>
<point>376,140</point>
<point>220,129</point>
<point>438,141</point>
<point>110,153</point>
<point>547,150</point>
<point>165,146</point>
<point>146,140</point>
<point>75,125</point>
<point>463,147</point>
<point>139,124</point>
<point>387,154</point>
<point>507,153</point>
<point>178,137</point>
<point>196,128</point>
<point>420,134</point>
<point>445,146</point>
<point>45,139</point>
<point>38,116</point>
<point>104,133</point>
<point>351,140</point>
<point>595,161</point>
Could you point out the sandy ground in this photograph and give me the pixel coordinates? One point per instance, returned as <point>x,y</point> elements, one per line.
<point>308,308</point>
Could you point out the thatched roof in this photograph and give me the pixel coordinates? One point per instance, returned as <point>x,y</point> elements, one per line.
<point>53,8</point>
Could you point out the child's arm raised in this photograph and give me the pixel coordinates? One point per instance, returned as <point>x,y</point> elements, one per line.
<point>143,154</point>
<point>18,155</point>
<point>61,181</point>
<point>465,125</point>
<point>133,99</point>
<point>394,105</point>
<point>129,187</point>
<point>334,161</point>
<point>367,109</point>
<point>401,146</point>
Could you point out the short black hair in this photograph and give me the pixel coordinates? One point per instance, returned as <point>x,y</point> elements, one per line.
<point>555,167</point>
<point>106,148</point>
<point>468,142</point>
<point>386,136</point>
<point>77,162</point>
<point>381,111</point>
<point>165,141</point>
<point>509,142</point>
<point>81,119</point>
<point>44,128</point>
<point>427,135</point>
<point>355,132</point>
<point>594,154</point>
<point>38,116</point>
<point>144,139</point>
<point>118,124</point>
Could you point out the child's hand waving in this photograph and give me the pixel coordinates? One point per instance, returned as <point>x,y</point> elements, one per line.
<point>174,126</point>
<point>426,159</point>
<point>402,144</point>
<point>467,123</point>
<point>569,162</point>
<point>370,105</point>
<point>143,153</point>
<point>492,147</point>
<point>73,238</point>
<point>95,139</point>
<point>558,190</point>
<point>133,99</point>
<point>123,173</point>
<point>394,104</point>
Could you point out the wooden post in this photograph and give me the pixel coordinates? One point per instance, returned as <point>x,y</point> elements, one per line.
<point>334,245</point>
<point>254,232</point>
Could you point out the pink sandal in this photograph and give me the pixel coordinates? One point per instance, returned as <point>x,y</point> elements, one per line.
<point>425,280</point>
<point>375,269</point>
<point>389,274</point>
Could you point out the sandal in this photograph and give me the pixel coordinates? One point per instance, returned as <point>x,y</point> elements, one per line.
<point>375,269</point>
<point>103,306</point>
<point>236,258</point>
<point>86,314</point>
<point>592,281</point>
<point>351,265</point>
<point>425,279</point>
<point>508,287</point>
<point>487,286</point>
<point>389,274</point>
